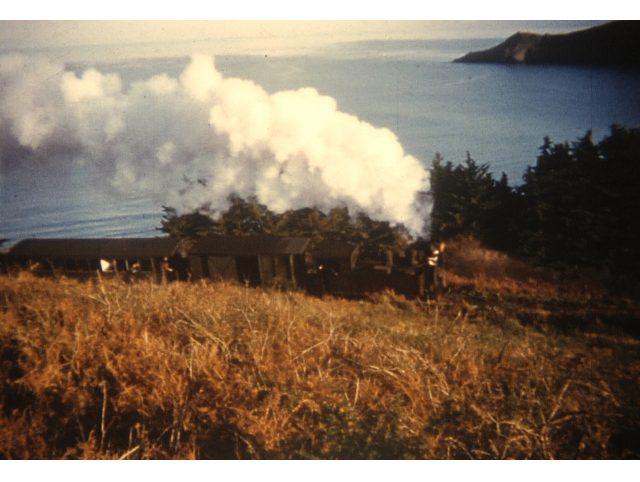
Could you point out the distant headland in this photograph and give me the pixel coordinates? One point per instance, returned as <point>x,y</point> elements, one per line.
<point>613,43</point>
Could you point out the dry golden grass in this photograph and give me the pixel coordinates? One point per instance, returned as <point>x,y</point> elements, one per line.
<point>495,284</point>
<point>116,370</point>
<point>469,264</point>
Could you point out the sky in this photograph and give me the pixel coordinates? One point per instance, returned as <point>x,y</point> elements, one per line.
<point>77,40</point>
<point>73,30</point>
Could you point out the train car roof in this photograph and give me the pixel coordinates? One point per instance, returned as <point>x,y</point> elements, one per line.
<point>96,248</point>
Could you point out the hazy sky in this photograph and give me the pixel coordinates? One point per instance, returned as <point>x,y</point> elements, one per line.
<point>66,33</point>
<point>76,40</point>
<point>262,29</point>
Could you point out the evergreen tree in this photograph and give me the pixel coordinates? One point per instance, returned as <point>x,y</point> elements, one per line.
<point>246,217</point>
<point>191,225</point>
<point>468,201</point>
<point>581,203</point>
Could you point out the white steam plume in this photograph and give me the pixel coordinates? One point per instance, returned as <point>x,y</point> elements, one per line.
<point>290,149</point>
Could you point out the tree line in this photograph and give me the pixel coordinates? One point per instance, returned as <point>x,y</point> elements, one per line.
<point>577,207</point>
<point>249,217</point>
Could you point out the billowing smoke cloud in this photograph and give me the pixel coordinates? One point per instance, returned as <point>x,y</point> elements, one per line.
<point>290,149</point>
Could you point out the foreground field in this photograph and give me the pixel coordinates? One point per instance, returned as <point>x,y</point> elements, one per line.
<point>116,370</point>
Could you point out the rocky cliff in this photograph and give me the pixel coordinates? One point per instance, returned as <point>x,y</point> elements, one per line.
<point>614,43</point>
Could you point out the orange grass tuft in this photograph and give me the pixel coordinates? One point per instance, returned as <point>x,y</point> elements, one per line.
<point>469,264</point>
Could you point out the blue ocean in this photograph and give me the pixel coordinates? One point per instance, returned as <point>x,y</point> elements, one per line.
<point>500,114</point>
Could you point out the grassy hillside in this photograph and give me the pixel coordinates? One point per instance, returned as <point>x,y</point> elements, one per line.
<point>509,364</point>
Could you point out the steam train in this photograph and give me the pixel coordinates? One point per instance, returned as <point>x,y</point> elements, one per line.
<point>328,267</point>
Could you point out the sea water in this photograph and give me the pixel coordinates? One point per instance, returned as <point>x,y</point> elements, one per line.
<point>499,114</point>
